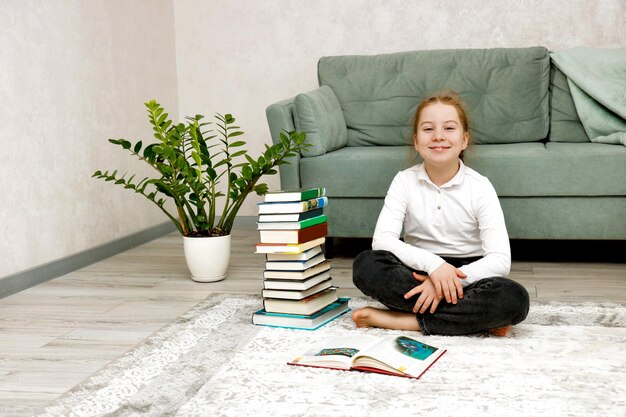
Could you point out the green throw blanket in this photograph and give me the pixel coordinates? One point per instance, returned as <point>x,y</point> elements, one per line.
<point>597,81</point>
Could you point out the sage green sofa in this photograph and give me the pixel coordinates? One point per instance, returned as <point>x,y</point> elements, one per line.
<point>553,183</point>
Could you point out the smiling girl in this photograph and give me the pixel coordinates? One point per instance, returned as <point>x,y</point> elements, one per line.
<point>448,274</point>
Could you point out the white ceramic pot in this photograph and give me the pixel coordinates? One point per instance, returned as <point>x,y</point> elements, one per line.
<point>207,257</point>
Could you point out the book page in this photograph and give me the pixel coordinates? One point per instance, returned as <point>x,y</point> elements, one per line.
<point>400,354</point>
<point>335,352</point>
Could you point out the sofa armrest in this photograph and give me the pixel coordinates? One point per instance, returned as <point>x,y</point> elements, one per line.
<point>280,118</point>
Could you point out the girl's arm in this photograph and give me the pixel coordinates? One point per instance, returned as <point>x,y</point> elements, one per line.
<point>496,261</point>
<point>387,237</point>
<point>389,228</point>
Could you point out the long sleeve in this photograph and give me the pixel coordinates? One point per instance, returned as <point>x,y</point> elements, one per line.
<point>389,228</point>
<point>459,219</point>
<point>496,261</point>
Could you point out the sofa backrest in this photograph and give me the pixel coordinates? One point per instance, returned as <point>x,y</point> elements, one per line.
<point>505,90</point>
<point>565,125</point>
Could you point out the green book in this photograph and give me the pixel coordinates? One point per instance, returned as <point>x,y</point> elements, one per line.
<point>294,195</point>
<point>291,225</point>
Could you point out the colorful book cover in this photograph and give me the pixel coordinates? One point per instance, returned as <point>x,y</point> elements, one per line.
<point>292,207</point>
<point>294,236</point>
<point>294,195</point>
<point>291,225</point>
<point>290,217</point>
<point>397,355</point>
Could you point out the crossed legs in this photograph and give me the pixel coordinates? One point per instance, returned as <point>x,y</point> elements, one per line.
<point>490,304</point>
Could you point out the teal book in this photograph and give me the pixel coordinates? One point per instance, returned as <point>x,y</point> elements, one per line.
<point>303,322</point>
<point>301,194</point>
<point>290,217</point>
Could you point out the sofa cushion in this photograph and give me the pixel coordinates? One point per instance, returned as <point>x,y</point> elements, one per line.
<point>515,170</point>
<point>553,169</point>
<point>319,114</point>
<point>506,92</point>
<point>565,126</point>
<point>564,217</point>
<point>357,171</point>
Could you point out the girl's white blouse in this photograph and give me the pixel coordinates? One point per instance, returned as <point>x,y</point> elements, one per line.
<point>461,218</point>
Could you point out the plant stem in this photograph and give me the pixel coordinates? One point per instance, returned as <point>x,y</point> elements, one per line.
<point>228,170</point>
<point>181,215</point>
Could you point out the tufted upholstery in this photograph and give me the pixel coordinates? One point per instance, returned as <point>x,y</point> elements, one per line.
<point>379,94</point>
<point>553,183</point>
<point>318,114</point>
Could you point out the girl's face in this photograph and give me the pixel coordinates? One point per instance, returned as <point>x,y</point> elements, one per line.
<point>440,137</point>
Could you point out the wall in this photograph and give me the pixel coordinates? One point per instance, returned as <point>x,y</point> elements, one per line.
<point>72,74</point>
<point>239,56</point>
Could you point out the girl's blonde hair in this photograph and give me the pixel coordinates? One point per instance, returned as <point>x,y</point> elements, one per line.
<point>450,98</point>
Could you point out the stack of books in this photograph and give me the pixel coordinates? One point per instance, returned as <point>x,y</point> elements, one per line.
<point>297,283</point>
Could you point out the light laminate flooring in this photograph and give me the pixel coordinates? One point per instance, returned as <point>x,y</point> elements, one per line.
<point>56,334</point>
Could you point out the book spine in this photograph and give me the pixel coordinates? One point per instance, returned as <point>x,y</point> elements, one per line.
<point>314,232</point>
<point>314,203</point>
<point>300,275</point>
<point>295,236</point>
<point>290,217</point>
<point>312,221</point>
<point>288,248</point>
<point>313,193</point>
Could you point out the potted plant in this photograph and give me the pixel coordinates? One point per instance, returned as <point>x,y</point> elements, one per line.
<point>190,161</point>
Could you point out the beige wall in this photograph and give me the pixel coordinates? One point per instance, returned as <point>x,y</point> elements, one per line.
<point>238,56</point>
<point>72,74</point>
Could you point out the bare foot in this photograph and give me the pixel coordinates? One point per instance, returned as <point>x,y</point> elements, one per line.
<point>500,331</point>
<point>386,319</point>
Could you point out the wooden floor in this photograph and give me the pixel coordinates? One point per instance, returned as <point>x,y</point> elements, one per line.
<point>56,334</point>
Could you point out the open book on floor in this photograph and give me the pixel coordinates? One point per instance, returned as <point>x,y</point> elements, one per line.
<point>393,355</point>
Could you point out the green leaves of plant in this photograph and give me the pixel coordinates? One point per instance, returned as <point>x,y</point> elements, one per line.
<point>122,142</point>
<point>190,162</point>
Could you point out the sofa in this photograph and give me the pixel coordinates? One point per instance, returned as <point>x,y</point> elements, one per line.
<point>552,181</point>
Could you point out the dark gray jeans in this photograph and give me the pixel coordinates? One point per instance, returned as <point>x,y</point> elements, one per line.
<point>486,304</point>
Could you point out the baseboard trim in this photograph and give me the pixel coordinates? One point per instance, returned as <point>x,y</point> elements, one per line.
<point>20,281</point>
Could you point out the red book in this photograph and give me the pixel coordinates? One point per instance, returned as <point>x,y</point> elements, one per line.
<point>294,236</point>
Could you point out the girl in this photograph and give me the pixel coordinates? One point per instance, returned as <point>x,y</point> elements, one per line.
<point>447,276</point>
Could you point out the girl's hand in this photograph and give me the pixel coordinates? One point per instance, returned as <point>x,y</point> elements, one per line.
<point>428,296</point>
<point>447,284</point>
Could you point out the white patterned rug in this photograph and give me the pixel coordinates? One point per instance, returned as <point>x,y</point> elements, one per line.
<point>564,360</point>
